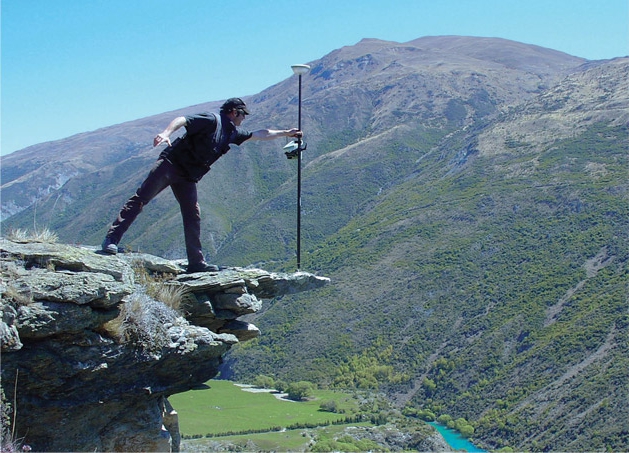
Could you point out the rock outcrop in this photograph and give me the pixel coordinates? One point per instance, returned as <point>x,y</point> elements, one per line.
<point>89,358</point>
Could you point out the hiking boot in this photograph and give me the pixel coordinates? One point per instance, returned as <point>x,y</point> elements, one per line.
<point>201,267</point>
<point>109,246</point>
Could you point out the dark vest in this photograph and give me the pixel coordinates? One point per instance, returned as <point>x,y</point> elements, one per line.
<point>194,154</point>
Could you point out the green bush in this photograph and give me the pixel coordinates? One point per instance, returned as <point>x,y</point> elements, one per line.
<point>329,406</point>
<point>300,390</point>
<point>264,382</point>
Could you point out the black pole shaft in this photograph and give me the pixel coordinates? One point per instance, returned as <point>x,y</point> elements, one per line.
<point>299,181</point>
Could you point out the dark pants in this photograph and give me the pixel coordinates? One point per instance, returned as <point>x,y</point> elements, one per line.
<point>162,175</point>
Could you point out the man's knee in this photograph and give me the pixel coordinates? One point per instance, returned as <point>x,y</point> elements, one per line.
<point>191,212</point>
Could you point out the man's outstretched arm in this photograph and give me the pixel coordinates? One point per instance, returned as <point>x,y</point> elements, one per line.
<point>270,134</point>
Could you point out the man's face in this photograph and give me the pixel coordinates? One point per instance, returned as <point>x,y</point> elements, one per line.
<point>238,116</point>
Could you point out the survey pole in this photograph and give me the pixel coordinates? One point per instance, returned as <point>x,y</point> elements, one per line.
<point>299,70</point>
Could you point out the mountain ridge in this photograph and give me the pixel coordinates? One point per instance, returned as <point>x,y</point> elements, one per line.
<point>131,138</point>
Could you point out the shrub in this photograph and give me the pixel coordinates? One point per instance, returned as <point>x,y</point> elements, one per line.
<point>444,419</point>
<point>281,386</point>
<point>426,415</point>
<point>264,382</point>
<point>464,427</point>
<point>329,406</point>
<point>143,321</point>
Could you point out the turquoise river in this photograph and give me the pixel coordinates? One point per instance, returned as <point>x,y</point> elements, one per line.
<point>455,440</point>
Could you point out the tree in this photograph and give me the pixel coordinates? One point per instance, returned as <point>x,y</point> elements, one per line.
<point>281,386</point>
<point>430,386</point>
<point>464,427</point>
<point>300,390</point>
<point>444,419</point>
<point>264,382</point>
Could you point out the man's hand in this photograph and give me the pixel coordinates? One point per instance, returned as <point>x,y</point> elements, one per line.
<point>174,125</point>
<point>159,138</point>
<point>296,133</point>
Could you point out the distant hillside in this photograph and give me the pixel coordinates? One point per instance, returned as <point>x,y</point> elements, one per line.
<point>472,192</point>
<point>500,263</point>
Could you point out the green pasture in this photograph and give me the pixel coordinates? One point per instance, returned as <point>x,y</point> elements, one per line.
<point>292,440</point>
<point>227,408</point>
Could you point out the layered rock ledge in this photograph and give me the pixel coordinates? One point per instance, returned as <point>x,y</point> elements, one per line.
<point>89,357</point>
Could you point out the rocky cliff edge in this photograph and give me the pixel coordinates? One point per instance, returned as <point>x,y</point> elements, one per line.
<point>92,344</point>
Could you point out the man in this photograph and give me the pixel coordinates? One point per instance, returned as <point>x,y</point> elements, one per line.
<point>182,164</point>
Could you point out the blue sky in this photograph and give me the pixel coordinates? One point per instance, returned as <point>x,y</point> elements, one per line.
<point>71,66</point>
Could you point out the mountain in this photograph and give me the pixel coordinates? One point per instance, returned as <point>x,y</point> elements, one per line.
<point>367,91</point>
<point>466,196</point>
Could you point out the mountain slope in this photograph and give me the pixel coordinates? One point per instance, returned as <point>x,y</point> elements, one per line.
<point>371,110</point>
<point>500,263</point>
<point>353,93</point>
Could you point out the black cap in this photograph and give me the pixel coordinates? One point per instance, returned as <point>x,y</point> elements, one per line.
<point>234,103</point>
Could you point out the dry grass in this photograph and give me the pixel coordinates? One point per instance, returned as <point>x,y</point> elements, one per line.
<point>43,235</point>
<point>144,321</point>
<point>8,441</point>
<point>160,287</point>
<point>169,294</point>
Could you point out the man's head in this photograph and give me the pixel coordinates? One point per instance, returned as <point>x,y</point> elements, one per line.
<point>234,105</point>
